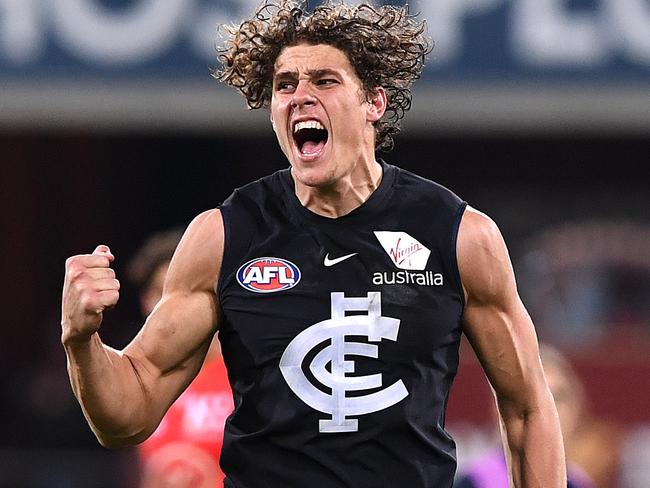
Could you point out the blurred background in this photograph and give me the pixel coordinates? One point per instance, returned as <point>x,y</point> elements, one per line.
<point>535,111</point>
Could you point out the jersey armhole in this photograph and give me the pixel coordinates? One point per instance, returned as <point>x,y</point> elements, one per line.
<point>225,218</point>
<point>454,253</point>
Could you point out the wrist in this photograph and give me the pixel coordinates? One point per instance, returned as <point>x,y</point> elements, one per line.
<point>71,338</point>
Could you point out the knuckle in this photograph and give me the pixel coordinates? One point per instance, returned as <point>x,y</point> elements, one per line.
<point>75,268</point>
<point>111,298</point>
<point>74,273</point>
<point>86,301</point>
<point>73,260</point>
<point>70,265</point>
<point>79,287</point>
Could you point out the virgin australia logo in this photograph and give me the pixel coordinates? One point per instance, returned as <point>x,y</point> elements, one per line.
<point>405,251</point>
<point>334,330</point>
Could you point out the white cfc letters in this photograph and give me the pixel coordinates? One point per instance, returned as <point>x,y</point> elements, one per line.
<point>96,34</point>
<point>631,25</point>
<point>542,33</point>
<point>445,19</point>
<point>21,39</point>
<point>547,33</point>
<point>334,330</point>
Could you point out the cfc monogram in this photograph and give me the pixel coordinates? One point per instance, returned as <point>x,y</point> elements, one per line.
<point>334,330</point>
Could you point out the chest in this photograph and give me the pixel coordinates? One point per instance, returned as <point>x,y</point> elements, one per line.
<point>387,286</point>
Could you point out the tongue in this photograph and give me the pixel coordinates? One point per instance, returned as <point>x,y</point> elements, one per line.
<point>312,147</point>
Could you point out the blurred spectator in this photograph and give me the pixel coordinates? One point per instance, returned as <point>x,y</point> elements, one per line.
<point>184,451</point>
<point>587,283</point>
<point>592,445</point>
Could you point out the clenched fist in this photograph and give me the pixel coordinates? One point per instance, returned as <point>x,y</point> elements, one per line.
<point>90,287</point>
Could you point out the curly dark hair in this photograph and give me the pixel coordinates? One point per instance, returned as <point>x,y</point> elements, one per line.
<point>386,46</point>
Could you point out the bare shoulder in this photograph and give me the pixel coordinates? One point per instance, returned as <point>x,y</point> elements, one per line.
<point>495,320</point>
<point>483,260</point>
<point>478,225</point>
<point>197,260</point>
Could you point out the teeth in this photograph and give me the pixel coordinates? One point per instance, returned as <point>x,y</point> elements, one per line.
<point>308,124</point>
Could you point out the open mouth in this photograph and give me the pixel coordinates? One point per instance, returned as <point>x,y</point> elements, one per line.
<point>310,137</point>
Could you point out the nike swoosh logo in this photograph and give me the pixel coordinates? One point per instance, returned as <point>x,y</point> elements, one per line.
<point>332,262</point>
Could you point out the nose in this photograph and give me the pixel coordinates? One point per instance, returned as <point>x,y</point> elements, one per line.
<point>302,96</point>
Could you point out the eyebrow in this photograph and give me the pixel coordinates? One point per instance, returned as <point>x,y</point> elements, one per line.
<point>313,73</point>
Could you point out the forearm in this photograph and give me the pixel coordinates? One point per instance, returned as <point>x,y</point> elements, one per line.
<point>109,390</point>
<point>534,448</point>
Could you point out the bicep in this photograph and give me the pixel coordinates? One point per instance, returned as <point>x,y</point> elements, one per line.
<point>495,320</point>
<point>169,350</point>
<point>505,343</point>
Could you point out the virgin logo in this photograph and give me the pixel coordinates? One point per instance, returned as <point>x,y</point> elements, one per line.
<point>405,251</point>
<point>401,254</point>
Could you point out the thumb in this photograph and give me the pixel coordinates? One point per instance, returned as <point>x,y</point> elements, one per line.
<point>104,250</point>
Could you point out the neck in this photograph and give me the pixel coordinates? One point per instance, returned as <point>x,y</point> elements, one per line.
<point>343,195</point>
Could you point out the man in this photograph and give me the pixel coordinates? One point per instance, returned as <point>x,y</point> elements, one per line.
<point>183,452</point>
<point>340,287</point>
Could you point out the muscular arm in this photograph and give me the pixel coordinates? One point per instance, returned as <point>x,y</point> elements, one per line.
<point>124,394</point>
<point>503,337</point>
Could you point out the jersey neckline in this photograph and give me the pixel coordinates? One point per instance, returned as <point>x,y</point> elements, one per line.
<point>373,204</point>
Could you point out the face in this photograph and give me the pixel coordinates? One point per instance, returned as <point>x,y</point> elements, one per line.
<point>320,114</point>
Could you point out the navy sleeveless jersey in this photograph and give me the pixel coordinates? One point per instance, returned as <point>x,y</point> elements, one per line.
<point>341,336</point>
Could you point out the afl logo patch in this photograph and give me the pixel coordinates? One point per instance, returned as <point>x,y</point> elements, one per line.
<point>268,275</point>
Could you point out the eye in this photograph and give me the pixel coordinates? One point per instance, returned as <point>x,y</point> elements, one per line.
<point>326,82</point>
<point>284,86</point>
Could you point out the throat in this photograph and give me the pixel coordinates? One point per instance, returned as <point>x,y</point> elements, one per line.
<point>340,197</point>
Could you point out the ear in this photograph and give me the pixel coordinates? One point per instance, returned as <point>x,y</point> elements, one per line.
<point>377,103</point>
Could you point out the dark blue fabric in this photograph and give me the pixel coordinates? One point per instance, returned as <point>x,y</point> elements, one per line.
<point>272,438</point>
